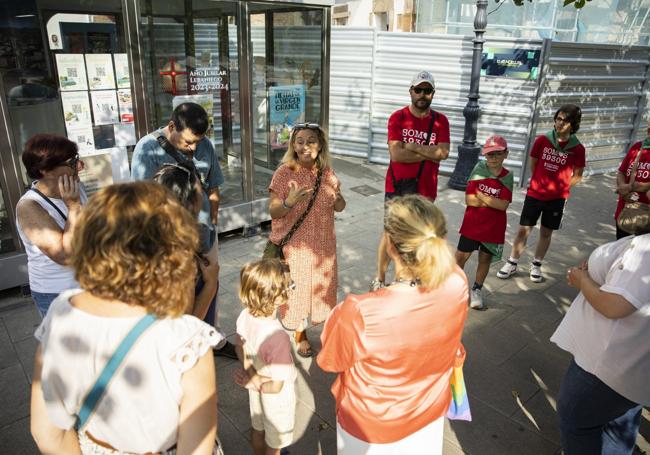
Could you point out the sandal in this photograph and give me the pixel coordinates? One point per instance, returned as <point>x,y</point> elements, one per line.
<point>301,342</point>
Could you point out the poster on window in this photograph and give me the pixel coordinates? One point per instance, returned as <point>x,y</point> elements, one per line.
<point>125,104</point>
<point>205,101</point>
<point>287,106</point>
<point>83,136</point>
<point>100,71</point>
<point>72,72</point>
<point>104,167</point>
<point>122,75</point>
<point>105,109</point>
<point>76,109</point>
<point>124,134</point>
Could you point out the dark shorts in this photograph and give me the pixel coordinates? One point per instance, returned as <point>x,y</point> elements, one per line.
<point>468,245</point>
<point>551,212</point>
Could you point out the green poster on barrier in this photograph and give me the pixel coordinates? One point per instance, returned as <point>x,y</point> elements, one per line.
<point>515,63</point>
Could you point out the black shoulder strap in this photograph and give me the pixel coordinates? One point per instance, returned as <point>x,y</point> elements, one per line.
<point>49,201</point>
<point>304,214</point>
<point>170,149</point>
<point>180,158</point>
<point>433,119</point>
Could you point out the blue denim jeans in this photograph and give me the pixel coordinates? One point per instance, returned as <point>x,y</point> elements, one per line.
<point>594,419</point>
<point>43,300</point>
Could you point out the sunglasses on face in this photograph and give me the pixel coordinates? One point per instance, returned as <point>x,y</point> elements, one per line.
<point>72,162</point>
<point>561,120</point>
<point>420,90</point>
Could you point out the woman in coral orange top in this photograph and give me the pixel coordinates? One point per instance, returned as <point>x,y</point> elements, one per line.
<point>395,348</point>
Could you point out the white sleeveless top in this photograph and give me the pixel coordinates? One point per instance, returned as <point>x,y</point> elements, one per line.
<point>140,411</point>
<point>45,275</point>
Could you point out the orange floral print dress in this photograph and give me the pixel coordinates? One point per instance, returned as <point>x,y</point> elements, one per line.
<point>311,252</point>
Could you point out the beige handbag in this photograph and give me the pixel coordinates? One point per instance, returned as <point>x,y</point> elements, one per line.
<point>635,216</point>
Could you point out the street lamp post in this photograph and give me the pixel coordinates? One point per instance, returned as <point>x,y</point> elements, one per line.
<point>468,151</point>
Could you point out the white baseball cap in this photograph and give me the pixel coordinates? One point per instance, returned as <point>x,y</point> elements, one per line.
<point>423,76</point>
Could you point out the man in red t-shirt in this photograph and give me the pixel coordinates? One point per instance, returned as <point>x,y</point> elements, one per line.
<point>418,139</point>
<point>557,161</point>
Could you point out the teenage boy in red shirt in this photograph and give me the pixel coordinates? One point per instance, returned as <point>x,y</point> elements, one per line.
<point>418,139</point>
<point>557,161</point>
<point>488,195</point>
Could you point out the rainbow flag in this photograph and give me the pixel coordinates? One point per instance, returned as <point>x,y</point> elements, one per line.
<point>459,406</point>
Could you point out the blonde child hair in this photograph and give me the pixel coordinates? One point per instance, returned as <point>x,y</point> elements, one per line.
<point>263,286</point>
<point>418,230</point>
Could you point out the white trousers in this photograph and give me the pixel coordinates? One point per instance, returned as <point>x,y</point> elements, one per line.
<point>427,440</point>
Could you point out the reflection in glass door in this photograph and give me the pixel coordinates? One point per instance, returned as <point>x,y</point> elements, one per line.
<point>191,55</point>
<point>287,71</point>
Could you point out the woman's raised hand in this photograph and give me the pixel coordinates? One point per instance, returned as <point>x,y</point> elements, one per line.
<point>296,194</point>
<point>69,189</point>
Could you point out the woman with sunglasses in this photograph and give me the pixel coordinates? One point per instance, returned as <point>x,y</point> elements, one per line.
<point>305,172</point>
<point>47,213</point>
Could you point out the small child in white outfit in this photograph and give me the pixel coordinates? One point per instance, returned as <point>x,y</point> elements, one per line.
<point>264,349</point>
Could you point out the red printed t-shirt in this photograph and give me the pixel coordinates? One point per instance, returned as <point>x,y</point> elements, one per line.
<point>642,173</point>
<point>405,127</point>
<point>485,224</point>
<point>394,350</point>
<point>552,174</point>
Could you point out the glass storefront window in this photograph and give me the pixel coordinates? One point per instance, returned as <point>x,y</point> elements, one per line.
<point>287,81</point>
<point>191,55</point>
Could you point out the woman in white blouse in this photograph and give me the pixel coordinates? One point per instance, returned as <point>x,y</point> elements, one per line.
<point>607,329</point>
<point>132,253</point>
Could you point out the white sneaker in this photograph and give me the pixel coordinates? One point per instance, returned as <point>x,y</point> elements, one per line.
<point>508,269</point>
<point>476,299</point>
<point>536,273</point>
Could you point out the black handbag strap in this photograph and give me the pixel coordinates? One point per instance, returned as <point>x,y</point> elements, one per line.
<point>49,201</point>
<point>180,158</point>
<point>421,168</point>
<point>300,220</point>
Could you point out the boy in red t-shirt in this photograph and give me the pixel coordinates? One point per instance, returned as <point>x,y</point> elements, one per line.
<point>557,160</point>
<point>488,195</point>
<point>418,139</point>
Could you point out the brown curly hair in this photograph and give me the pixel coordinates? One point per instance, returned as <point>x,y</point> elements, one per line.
<point>263,286</point>
<point>135,243</point>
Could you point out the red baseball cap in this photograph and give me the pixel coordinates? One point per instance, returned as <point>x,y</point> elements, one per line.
<point>494,144</point>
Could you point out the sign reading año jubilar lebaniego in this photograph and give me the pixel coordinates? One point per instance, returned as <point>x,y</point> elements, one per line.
<point>516,63</point>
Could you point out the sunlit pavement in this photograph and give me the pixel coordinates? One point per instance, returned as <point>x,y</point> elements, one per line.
<point>512,371</point>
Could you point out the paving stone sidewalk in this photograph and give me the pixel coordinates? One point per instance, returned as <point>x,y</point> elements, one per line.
<point>512,371</point>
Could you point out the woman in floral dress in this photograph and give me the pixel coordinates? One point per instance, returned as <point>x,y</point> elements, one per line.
<point>311,251</point>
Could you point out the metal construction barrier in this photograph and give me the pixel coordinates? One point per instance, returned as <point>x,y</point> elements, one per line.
<point>351,67</point>
<point>506,104</point>
<point>609,83</point>
<point>371,68</point>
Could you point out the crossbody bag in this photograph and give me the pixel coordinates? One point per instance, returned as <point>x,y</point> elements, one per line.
<point>402,187</point>
<point>274,251</point>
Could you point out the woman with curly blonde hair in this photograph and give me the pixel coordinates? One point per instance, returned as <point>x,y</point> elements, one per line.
<point>311,250</point>
<point>395,348</point>
<point>133,255</point>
